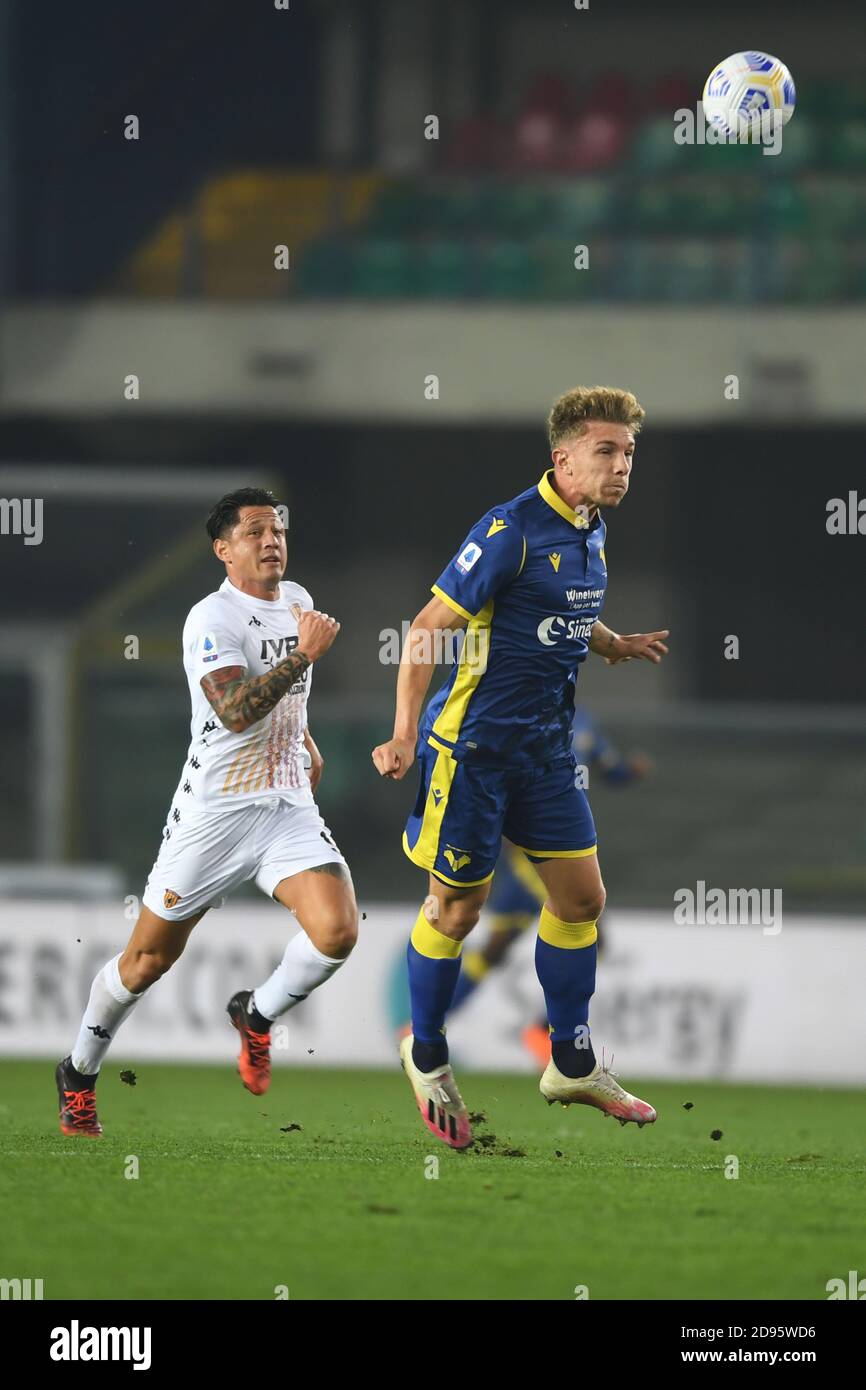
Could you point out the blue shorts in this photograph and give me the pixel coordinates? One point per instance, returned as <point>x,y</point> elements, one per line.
<point>463,810</point>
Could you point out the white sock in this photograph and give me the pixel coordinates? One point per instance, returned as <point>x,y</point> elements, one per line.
<point>301,970</point>
<point>109,1004</point>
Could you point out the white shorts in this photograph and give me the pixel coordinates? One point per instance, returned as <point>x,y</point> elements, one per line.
<point>208,853</point>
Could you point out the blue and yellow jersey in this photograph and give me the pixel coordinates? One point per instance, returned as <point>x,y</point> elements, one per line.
<point>530,579</point>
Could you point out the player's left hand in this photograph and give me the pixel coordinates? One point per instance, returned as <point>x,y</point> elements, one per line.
<point>649,646</point>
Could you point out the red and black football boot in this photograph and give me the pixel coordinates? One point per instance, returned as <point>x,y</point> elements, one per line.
<point>254,1062</point>
<point>77,1096</point>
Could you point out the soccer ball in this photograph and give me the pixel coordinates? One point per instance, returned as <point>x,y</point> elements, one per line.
<point>745,88</point>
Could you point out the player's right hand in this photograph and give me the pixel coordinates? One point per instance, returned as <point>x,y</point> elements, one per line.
<point>394,758</point>
<point>316,631</point>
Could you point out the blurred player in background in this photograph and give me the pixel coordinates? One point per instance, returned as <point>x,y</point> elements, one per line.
<point>518,894</point>
<point>496,757</point>
<point>244,806</point>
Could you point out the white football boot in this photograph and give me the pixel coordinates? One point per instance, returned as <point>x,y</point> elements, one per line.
<point>599,1089</point>
<point>438,1099</point>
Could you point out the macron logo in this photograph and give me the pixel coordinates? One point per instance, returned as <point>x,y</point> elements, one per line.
<point>76,1343</point>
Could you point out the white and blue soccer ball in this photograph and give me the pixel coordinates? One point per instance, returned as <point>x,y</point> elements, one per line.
<point>747,87</point>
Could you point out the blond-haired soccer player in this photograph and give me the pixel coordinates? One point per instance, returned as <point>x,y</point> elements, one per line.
<point>495,754</point>
<point>244,806</point>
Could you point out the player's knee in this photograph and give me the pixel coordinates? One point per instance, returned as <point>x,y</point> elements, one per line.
<point>459,916</point>
<point>338,938</point>
<point>141,969</point>
<point>597,904</point>
<point>587,907</point>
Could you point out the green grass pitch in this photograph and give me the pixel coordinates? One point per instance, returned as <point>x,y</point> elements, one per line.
<point>228,1206</point>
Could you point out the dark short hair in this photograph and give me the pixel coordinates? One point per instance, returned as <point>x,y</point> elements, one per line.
<point>226,514</point>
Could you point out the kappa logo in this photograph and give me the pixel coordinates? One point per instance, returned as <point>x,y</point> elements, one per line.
<point>555,559</point>
<point>170,898</point>
<point>98,1032</point>
<point>497,525</point>
<point>457,858</point>
<point>254,622</point>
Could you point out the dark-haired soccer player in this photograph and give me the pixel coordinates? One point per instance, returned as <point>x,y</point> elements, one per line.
<point>243,808</point>
<point>495,754</point>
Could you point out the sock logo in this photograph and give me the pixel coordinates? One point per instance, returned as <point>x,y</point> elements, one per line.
<point>98,1032</point>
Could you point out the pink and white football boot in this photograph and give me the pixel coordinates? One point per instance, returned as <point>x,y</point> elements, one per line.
<point>438,1099</point>
<point>599,1089</point>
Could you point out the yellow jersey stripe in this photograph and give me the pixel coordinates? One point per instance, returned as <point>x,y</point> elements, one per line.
<point>452,603</point>
<point>469,673</point>
<point>444,769</point>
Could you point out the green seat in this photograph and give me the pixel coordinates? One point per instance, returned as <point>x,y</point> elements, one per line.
<point>507,270</point>
<point>401,208</point>
<point>634,273</point>
<point>654,149</point>
<point>381,269</point>
<point>731,161</point>
<point>325,267</point>
<point>517,210</point>
<point>824,272</point>
<point>714,207</point>
<point>653,206</point>
<point>688,271</point>
<point>836,205</point>
<point>743,276</point>
<point>783,207</point>
<point>582,205</point>
<point>443,270</point>
<point>838,99</point>
<point>801,148</point>
<point>857,280</point>
<point>846,146</point>
<point>457,207</point>
<point>557,278</point>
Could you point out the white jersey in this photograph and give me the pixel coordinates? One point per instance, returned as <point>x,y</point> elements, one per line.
<point>231,628</point>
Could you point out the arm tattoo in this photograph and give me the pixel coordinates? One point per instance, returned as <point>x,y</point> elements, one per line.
<point>242,700</point>
<point>602,639</point>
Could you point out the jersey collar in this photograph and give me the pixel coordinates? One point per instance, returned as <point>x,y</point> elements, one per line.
<point>553,499</point>
<point>227,587</point>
